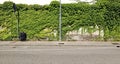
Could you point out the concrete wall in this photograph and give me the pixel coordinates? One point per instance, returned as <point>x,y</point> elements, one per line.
<point>83,34</point>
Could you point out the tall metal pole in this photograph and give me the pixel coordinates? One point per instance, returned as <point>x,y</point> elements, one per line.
<point>60,22</point>
<point>18,23</point>
<point>17,16</point>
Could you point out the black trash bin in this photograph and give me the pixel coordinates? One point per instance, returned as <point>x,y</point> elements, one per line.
<point>23,36</point>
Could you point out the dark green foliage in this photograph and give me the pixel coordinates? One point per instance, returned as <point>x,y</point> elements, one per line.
<point>7,6</point>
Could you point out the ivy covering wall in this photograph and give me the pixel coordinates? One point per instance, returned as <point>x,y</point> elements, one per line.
<point>40,22</point>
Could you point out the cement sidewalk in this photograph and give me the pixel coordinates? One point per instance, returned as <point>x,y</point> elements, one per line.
<point>58,43</point>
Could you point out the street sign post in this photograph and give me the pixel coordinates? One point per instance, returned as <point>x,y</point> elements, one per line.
<point>17,16</point>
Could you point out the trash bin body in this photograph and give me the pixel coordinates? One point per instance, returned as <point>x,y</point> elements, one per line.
<point>22,36</point>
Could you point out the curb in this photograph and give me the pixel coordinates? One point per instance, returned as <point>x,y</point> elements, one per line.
<point>57,43</point>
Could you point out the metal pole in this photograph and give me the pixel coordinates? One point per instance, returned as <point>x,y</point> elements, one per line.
<point>17,16</point>
<point>18,24</point>
<point>60,22</point>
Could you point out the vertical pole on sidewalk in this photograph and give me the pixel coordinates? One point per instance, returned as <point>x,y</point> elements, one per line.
<point>18,24</point>
<point>17,16</point>
<point>60,22</point>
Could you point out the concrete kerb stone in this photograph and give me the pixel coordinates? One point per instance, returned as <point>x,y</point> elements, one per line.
<point>89,43</point>
<point>26,43</point>
<point>58,43</point>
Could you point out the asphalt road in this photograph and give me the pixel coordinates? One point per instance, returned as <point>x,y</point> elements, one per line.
<point>59,55</point>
